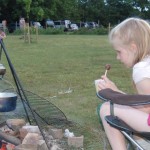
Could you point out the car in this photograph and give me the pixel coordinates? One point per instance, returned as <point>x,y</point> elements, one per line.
<point>59,24</point>
<point>37,24</point>
<point>13,26</point>
<point>92,24</point>
<point>82,24</point>
<point>50,23</point>
<point>74,26</point>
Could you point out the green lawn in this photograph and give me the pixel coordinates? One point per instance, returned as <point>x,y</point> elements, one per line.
<point>57,63</point>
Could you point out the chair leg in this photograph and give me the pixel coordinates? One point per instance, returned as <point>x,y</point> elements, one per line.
<point>132,140</point>
<point>130,145</point>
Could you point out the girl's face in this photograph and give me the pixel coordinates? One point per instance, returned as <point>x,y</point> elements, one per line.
<point>126,55</point>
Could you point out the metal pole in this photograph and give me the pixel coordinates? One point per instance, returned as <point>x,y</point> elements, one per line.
<point>1,52</point>
<point>132,140</point>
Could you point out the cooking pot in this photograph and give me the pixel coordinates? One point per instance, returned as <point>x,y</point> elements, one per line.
<point>7,101</point>
<point>2,70</point>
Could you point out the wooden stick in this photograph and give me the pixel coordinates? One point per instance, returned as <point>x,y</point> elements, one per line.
<point>9,138</point>
<point>106,72</point>
<point>107,67</point>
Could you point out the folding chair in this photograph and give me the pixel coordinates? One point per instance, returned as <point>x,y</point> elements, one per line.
<point>123,99</point>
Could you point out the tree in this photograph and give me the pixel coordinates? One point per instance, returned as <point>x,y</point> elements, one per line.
<point>105,11</point>
<point>142,7</point>
<point>25,5</point>
<point>61,9</point>
<point>7,10</point>
<point>95,10</point>
<point>118,10</point>
<point>37,10</point>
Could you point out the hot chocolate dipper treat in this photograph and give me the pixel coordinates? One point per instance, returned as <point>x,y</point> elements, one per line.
<point>107,67</point>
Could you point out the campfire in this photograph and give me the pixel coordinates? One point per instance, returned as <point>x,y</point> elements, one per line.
<point>16,134</point>
<point>24,125</point>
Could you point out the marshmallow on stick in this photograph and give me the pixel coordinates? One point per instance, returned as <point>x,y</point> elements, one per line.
<point>107,67</point>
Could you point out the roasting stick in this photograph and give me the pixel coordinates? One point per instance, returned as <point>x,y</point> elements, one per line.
<point>106,72</point>
<point>107,67</point>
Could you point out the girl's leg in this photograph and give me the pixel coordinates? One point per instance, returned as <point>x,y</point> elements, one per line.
<point>133,117</point>
<point>115,137</point>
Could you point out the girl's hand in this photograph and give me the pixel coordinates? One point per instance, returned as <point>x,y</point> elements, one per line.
<point>107,84</point>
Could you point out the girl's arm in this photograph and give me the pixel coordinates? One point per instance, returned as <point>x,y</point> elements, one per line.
<point>2,35</point>
<point>108,84</point>
<point>143,87</point>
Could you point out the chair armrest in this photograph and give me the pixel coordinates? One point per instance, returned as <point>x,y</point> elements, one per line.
<point>123,99</point>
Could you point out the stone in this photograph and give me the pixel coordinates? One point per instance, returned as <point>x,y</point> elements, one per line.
<point>31,138</point>
<point>26,147</point>
<point>23,133</point>
<point>55,147</point>
<point>76,141</point>
<point>42,145</point>
<point>31,129</point>
<point>15,124</point>
<point>56,133</point>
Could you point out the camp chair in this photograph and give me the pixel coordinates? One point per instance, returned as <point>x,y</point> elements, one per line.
<point>114,121</point>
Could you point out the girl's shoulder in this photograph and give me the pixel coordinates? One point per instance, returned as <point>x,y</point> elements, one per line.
<point>141,70</point>
<point>143,63</point>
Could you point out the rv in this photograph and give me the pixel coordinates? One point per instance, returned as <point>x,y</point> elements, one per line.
<point>65,24</point>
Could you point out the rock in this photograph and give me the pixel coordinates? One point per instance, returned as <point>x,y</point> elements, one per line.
<point>31,129</point>
<point>26,147</point>
<point>31,138</point>
<point>23,133</point>
<point>56,133</point>
<point>49,137</point>
<point>76,141</point>
<point>55,147</point>
<point>15,124</point>
<point>42,145</point>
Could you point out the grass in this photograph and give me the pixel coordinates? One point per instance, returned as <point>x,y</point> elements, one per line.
<point>57,63</point>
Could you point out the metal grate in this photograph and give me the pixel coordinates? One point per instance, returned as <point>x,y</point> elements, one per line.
<point>41,112</point>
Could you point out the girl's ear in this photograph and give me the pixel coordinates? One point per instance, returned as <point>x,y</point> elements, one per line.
<point>133,47</point>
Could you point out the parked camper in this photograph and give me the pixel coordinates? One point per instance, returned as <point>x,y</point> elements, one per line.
<point>67,23</point>
<point>62,24</point>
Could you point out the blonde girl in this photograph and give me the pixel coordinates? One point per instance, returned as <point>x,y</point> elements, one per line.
<point>131,41</point>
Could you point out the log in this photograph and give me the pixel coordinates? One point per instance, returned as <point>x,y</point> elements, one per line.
<point>8,138</point>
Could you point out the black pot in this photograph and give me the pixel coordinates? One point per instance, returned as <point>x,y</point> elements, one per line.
<point>7,102</point>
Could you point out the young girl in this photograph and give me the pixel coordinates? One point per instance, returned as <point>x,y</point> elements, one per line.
<point>131,41</point>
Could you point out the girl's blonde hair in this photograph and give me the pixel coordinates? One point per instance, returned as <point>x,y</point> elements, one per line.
<point>133,30</point>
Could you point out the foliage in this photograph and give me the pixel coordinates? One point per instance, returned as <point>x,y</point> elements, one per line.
<point>25,6</point>
<point>87,31</point>
<point>37,10</point>
<point>107,11</point>
<point>118,10</point>
<point>57,12</point>
<point>49,31</point>
<point>17,32</point>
